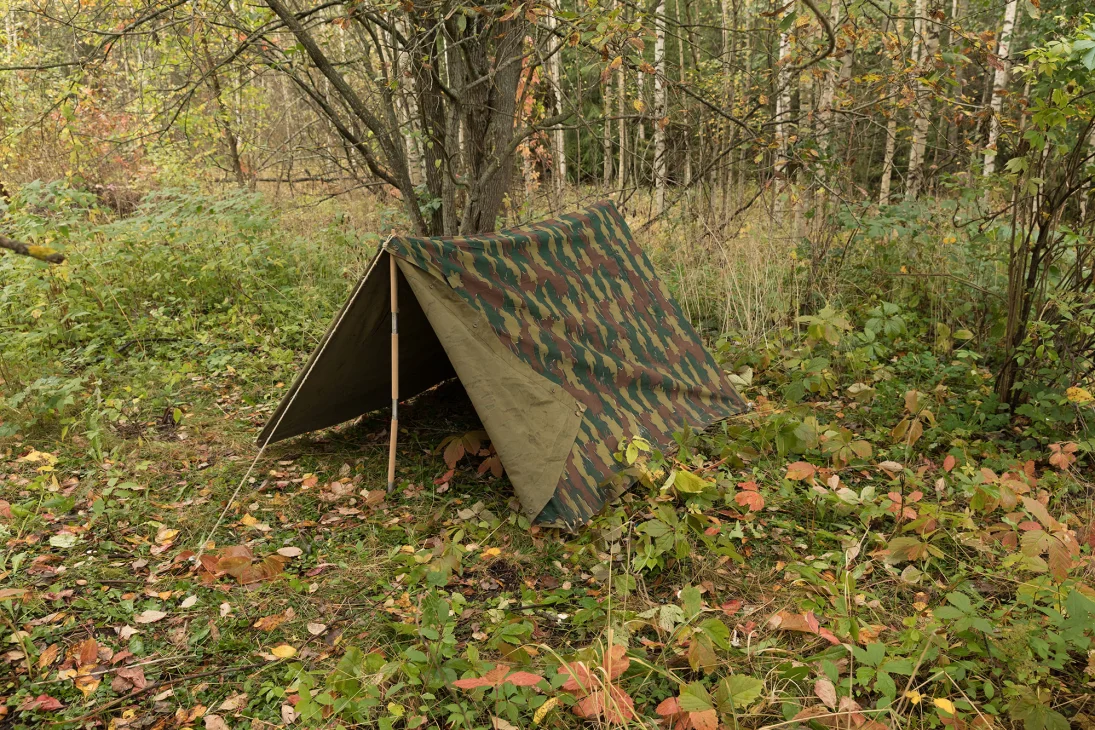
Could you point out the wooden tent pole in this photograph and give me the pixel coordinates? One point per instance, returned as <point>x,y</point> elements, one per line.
<point>395,372</point>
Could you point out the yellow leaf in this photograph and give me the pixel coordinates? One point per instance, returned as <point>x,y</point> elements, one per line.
<point>913,696</point>
<point>284,651</point>
<point>248,520</point>
<point>87,684</point>
<point>944,704</point>
<point>165,535</point>
<point>1079,396</point>
<point>544,709</point>
<point>492,552</point>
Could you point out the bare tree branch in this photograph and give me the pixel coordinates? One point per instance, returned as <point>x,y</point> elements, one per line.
<point>42,253</point>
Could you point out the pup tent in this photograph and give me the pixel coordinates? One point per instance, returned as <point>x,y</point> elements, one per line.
<point>562,336</point>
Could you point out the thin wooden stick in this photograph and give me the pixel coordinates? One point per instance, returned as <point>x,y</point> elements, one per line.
<point>395,373</point>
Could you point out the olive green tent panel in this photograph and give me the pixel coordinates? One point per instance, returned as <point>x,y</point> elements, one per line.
<point>350,372</point>
<point>531,421</point>
<point>564,338</point>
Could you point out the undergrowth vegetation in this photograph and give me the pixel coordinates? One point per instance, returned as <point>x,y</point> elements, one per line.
<point>880,542</point>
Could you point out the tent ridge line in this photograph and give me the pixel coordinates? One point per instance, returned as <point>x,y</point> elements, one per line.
<point>265,438</point>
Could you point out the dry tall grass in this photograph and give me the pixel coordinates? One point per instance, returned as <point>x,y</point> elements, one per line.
<point>744,280</point>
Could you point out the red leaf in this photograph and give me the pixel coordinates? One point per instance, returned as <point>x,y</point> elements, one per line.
<point>750,500</point>
<point>493,678</point>
<point>135,675</point>
<point>209,562</point>
<point>523,679</point>
<point>591,706</point>
<point>731,607</point>
<point>41,702</point>
<point>616,661</point>
<point>615,706</point>
<point>581,679</point>
<point>5,509</point>
<point>454,452</point>
<point>949,462</point>
<point>804,622</point>
<point>800,470</point>
<point>669,706</point>
<point>705,720</point>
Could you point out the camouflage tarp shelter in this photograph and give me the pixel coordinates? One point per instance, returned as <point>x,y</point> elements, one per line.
<point>563,337</point>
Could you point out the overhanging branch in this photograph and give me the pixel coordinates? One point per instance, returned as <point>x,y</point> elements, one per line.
<point>42,253</point>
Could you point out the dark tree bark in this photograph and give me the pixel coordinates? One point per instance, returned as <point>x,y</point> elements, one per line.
<point>42,253</point>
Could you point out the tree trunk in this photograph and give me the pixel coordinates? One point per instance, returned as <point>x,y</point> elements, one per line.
<point>891,123</point>
<point>660,111</point>
<point>491,110</point>
<point>558,134</point>
<point>828,92</point>
<point>926,43</point>
<point>783,113</point>
<point>999,84</point>
<point>621,110</point>
<point>606,134</point>
<point>220,112</point>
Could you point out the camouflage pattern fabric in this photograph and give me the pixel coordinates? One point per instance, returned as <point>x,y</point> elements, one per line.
<point>578,301</point>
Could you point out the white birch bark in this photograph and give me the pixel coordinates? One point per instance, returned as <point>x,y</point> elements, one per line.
<point>661,174</point>
<point>558,134</point>
<point>621,109</point>
<point>999,84</point>
<point>783,113</point>
<point>828,89</point>
<point>891,123</point>
<point>925,44</point>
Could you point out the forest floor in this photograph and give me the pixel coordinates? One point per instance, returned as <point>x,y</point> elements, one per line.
<point>873,545</point>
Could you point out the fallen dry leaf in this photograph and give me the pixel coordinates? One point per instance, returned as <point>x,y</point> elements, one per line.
<point>148,616</point>
<point>269,623</point>
<point>826,692</point>
<point>48,656</point>
<point>804,622</point>
<point>87,653</point>
<point>133,675</point>
<point>41,702</point>
<point>214,722</point>
<point>234,702</point>
<point>283,651</point>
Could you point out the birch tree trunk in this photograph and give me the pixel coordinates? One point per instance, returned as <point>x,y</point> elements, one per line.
<point>891,123</point>
<point>783,113</point>
<point>558,134</point>
<point>660,111</point>
<point>926,43</point>
<point>828,92</point>
<point>682,71</point>
<point>621,109</point>
<point>606,135</point>
<point>999,84</point>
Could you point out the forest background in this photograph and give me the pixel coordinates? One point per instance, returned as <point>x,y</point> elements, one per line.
<point>880,216</point>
